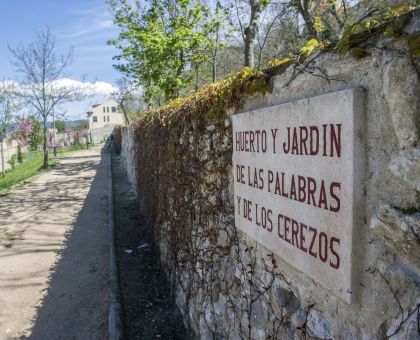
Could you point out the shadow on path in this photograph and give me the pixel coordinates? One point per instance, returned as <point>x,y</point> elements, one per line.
<point>76,301</point>
<point>150,311</point>
<point>54,252</point>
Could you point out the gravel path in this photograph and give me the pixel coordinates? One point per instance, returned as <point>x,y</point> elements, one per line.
<point>54,252</point>
<point>149,309</point>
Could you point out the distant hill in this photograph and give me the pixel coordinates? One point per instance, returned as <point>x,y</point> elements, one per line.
<point>80,124</point>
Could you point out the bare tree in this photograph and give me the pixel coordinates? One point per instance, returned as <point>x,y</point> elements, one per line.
<point>251,31</point>
<point>220,16</point>
<point>129,98</point>
<point>6,121</point>
<point>248,11</point>
<point>266,28</point>
<point>303,7</point>
<point>125,88</point>
<point>43,84</point>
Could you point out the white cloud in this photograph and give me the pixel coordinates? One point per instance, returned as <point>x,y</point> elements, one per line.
<point>95,27</point>
<point>89,11</point>
<point>101,88</point>
<point>96,92</point>
<point>98,88</point>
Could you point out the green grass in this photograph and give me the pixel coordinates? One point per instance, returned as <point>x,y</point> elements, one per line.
<point>22,171</point>
<point>72,148</point>
<point>32,165</point>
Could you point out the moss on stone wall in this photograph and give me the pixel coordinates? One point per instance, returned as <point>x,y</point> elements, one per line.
<point>226,285</point>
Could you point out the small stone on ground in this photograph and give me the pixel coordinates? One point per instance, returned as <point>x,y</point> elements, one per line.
<point>149,309</point>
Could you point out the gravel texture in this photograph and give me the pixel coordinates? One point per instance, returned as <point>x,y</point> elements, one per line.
<point>149,310</point>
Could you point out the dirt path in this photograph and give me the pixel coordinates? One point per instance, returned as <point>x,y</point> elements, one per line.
<point>54,252</point>
<point>149,309</point>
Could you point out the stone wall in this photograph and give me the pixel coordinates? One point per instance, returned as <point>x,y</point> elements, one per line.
<point>128,152</point>
<point>229,286</point>
<point>10,148</point>
<point>100,135</point>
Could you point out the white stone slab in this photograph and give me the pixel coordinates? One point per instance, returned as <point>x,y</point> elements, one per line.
<point>315,227</point>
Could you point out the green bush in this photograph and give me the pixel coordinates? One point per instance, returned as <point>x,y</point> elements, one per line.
<point>12,161</point>
<point>35,138</point>
<point>19,155</point>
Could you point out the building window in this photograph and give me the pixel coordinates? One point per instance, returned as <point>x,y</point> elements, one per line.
<point>104,109</point>
<point>95,119</point>
<point>107,109</point>
<point>114,109</point>
<point>104,119</point>
<point>108,119</point>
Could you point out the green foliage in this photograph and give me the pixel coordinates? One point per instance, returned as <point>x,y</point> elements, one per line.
<point>161,42</point>
<point>312,46</point>
<point>278,62</point>
<point>19,154</point>
<point>23,171</point>
<point>299,3</point>
<point>401,9</point>
<point>414,46</point>
<point>32,165</point>
<point>214,99</point>
<point>73,147</point>
<point>35,138</point>
<point>60,126</point>
<point>211,100</point>
<point>188,163</point>
<point>12,161</point>
<point>358,52</point>
<point>264,3</point>
<point>372,24</point>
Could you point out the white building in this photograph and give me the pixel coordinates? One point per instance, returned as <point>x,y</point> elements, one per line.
<point>105,115</point>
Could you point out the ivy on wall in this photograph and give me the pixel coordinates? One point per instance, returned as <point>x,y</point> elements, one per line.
<point>183,156</point>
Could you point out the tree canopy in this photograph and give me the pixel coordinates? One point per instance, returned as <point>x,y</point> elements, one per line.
<point>60,125</point>
<point>172,47</point>
<point>42,72</point>
<point>162,42</point>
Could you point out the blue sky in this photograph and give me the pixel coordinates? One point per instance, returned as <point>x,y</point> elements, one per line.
<point>84,24</point>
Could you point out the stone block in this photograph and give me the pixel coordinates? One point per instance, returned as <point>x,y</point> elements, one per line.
<point>318,325</point>
<point>406,166</point>
<point>401,88</point>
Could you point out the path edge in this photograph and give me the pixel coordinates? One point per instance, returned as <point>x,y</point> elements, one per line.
<point>115,324</point>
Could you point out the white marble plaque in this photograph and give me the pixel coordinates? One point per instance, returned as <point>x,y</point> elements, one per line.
<point>298,171</point>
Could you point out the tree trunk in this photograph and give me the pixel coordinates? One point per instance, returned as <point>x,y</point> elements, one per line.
<point>214,69</point>
<point>251,32</point>
<point>54,146</point>
<point>249,47</point>
<point>309,25</point>
<point>216,47</point>
<point>3,163</point>
<point>45,143</point>
<point>127,120</point>
<point>303,9</point>
<point>196,77</point>
<point>174,91</point>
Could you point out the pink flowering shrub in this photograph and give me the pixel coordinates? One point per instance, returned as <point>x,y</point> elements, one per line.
<point>25,126</point>
<point>24,131</point>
